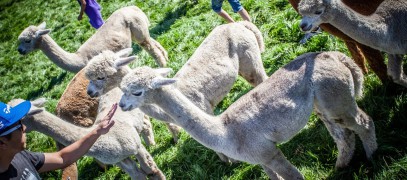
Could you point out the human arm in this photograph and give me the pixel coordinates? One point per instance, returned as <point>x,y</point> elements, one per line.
<point>73,152</point>
<point>83,7</point>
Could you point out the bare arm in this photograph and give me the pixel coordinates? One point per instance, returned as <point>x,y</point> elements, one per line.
<point>73,152</point>
<point>83,7</point>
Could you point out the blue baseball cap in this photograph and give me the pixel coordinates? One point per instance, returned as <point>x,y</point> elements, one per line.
<point>10,115</point>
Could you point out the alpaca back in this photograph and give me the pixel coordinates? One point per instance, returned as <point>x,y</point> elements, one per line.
<point>211,71</point>
<point>116,33</point>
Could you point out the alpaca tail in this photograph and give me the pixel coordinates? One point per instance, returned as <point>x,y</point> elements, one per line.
<point>256,32</point>
<point>357,74</point>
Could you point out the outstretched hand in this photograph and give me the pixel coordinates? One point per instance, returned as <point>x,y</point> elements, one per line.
<point>107,122</point>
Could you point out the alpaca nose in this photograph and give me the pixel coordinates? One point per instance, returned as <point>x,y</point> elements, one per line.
<point>92,94</point>
<point>304,26</point>
<point>121,105</point>
<point>21,51</point>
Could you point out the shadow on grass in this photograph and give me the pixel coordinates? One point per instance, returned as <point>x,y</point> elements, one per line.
<point>54,81</point>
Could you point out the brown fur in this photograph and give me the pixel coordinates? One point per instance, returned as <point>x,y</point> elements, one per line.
<point>67,107</point>
<point>359,52</point>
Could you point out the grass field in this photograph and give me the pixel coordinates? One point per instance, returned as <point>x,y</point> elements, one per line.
<point>180,26</point>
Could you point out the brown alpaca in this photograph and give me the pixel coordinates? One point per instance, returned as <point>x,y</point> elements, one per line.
<point>358,51</point>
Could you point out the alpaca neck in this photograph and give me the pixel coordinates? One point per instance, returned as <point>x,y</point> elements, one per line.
<point>65,60</point>
<point>206,129</point>
<point>364,29</point>
<point>53,126</point>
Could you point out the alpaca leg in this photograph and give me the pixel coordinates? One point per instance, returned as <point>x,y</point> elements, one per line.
<point>278,164</point>
<point>251,67</point>
<point>150,45</point>
<point>395,69</point>
<point>270,173</point>
<point>71,171</point>
<point>226,159</point>
<point>147,163</point>
<point>363,126</point>
<point>147,132</point>
<point>344,139</point>
<point>376,61</point>
<point>130,167</point>
<point>161,50</point>
<point>174,130</point>
<point>357,55</point>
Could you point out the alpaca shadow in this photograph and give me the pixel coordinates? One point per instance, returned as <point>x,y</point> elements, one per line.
<point>198,160</point>
<point>54,81</point>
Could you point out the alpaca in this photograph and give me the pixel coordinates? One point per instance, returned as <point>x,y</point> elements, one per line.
<point>102,74</point>
<point>115,147</point>
<point>271,113</point>
<point>382,30</point>
<point>123,26</point>
<point>206,78</point>
<point>358,51</point>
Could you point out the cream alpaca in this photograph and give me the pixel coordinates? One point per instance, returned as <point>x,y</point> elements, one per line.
<point>123,26</point>
<point>383,30</point>
<point>115,147</point>
<point>207,77</point>
<point>271,113</point>
<point>105,72</point>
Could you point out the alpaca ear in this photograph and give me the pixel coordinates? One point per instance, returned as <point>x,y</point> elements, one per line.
<point>124,52</point>
<point>159,82</point>
<point>39,102</point>
<point>34,110</point>
<point>163,71</point>
<point>42,25</point>
<point>41,32</point>
<point>123,61</point>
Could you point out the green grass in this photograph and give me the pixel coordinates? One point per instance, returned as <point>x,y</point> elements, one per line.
<point>180,26</point>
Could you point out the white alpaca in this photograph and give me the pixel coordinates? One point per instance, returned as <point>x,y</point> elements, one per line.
<point>206,78</point>
<point>105,72</point>
<point>271,113</point>
<point>115,147</point>
<point>123,26</point>
<point>383,30</point>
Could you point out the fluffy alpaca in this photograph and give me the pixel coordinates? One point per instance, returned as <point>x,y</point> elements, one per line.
<point>271,113</point>
<point>105,72</point>
<point>115,147</point>
<point>359,52</point>
<point>123,26</point>
<point>382,30</point>
<point>208,75</point>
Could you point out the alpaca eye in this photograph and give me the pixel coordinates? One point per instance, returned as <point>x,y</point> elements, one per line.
<point>137,93</point>
<point>318,12</point>
<point>27,41</point>
<point>101,78</point>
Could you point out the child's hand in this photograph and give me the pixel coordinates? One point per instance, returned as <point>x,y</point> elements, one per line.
<point>107,122</point>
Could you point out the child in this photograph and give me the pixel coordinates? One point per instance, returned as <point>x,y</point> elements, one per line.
<point>92,9</point>
<point>236,6</point>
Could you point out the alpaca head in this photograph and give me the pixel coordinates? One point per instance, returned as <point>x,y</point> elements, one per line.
<point>36,108</point>
<point>314,13</point>
<point>139,85</point>
<point>29,38</point>
<point>104,71</point>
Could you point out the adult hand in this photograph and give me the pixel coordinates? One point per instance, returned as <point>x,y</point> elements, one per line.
<point>107,122</point>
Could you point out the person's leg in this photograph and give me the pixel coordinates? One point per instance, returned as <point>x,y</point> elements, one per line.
<point>238,8</point>
<point>217,7</point>
<point>244,14</point>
